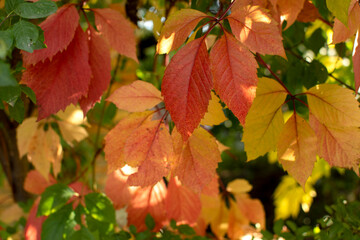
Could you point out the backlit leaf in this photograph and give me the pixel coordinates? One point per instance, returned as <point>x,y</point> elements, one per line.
<point>297,148</point>
<point>239,186</point>
<point>215,114</point>
<point>289,10</point>
<point>177,28</point>
<point>325,105</point>
<point>339,9</point>
<point>234,79</point>
<point>253,27</point>
<point>24,134</point>
<point>100,207</point>
<point>196,160</point>
<point>117,189</point>
<point>356,61</point>
<point>59,30</point>
<point>136,97</point>
<point>34,223</point>
<point>35,183</point>
<point>264,122</point>
<point>117,30</point>
<point>186,86</point>
<point>62,81</point>
<point>182,204</point>
<point>252,209</point>
<point>100,64</point>
<point>309,13</point>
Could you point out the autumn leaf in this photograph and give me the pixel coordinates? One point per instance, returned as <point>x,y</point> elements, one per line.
<point>339,146</point>
<point>309,13</point>
<point>186,86</point>
<point>324,104</point>
<point>342,32</point>
<point>34,223</point>
<point>289,10</point>
<point>35,183</point>
<point>264,122</point>
<point>339,9</point>
<point>253,27</point>
<point>24,134</point>
<point>214,114</point>
<point>234,80</point>
<point>356,61</point>
<point>182,204</point>
<point>117,30</point>
<point>100,64</point>
<point>117,189</point>
<point>59,30</point>
<point>297,148</point>
<point>177,29</point>
<point>239,186</point>
<point>62,81</point>
<point>148,200</point>
<point>136,97</point>
<point>252,209</point>
<point>116,139</point>
<point>196,160</point>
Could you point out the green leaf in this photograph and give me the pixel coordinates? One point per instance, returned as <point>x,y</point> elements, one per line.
<point>17,112</point>
<point>339,9</point>
<point>9,88</point>
<point>10,5</point>
<point>6,41</point>
<point>82,234</point>
<point>39,44</point>
<point>53,198</point>
<point>59,225</point>
<point>100,207</point>
<point>278,226</point>
<point>122,235</point>
<point>186,229</point>
<point>316,73</point>
<point>149,222</point>
<point>26,35</point>
<point>40,9</point>
<point>29,92</point>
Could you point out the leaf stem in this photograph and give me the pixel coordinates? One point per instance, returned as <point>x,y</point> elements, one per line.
<point>8,16</point>
<point>226,11</point>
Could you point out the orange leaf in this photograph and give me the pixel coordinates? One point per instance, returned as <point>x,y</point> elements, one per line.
<point>196,160</point>
<point>297,148</point>
<point>116,139</point>
<point>182,204</point>
<point>289,10</point>
<point>251,208</point>
<point>59,30</point>
<point>177,28</point>
<point>342,32</point>
<point>35,183</point>
<point>62,81</point>
<point>117,189</point>
<point>309,13</point>
<point>136,97</point>
<point>356,61</point>
<point>211,189</point>
<point>148,200</point>
<point>100,63</point>
<point>253,27</point>
<point>234,79</point>
<point>186,86</point>
<point>338,146</point>
<point>117,30</point>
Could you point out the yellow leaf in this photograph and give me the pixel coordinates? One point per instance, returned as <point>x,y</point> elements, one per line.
<point>24,133</point>
<point>264,121</point>
<point>297,148</point>
<point>334,105</point>
<point>210,205</point>
<point>215,114</point>
<point>220,224</point>
<point>239,186</point>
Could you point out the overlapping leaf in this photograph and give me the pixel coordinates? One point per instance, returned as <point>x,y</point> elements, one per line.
<point>196,160</point>
<point>177,28</point>
<point>264,122</point>
<point>356,61</point>
<point>136,97</point>
<point>234,79</point>
<point>117,30</point>
<point>339,9</point>
<point>289,10</point>
<point>253,27</point>
<point>117,189</point>
<point>297,148</point>
<point>186,86</point>
<point>214,114</point>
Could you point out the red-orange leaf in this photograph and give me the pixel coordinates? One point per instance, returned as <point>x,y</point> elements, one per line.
<point>35,183</point>
<point>182,204</point>
<point>234,79</point>
<point>177,28</point>
<point>186,86</point>
<point>59,29</point>
<point>254,27</point>
<point>117,30</point>
<point>309,13</point>
<point>148,200</point>
<point>136,97</point>
<point>115,140</point>
<point>62,81</point>
<point>117,189</point>
<point>34,223</point>
<point>100,63</point>
<point>196,160</point>
<point>289,10</point>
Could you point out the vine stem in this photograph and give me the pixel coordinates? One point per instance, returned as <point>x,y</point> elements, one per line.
<point>9,15</point>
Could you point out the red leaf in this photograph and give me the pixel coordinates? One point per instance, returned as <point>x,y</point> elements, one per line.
<point>62,81</point>
<point>235,79</point>
<point>100,63</point>
<point>182,204</point>
<point>35,183</point>
<point>253,27</point>
<point>59,29</point>
<point>186,86</point>
<point>148,200</point>
<point>117,189</point>
<point>117,30</point>
<point>34,224</point>
<point>197,159</point>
